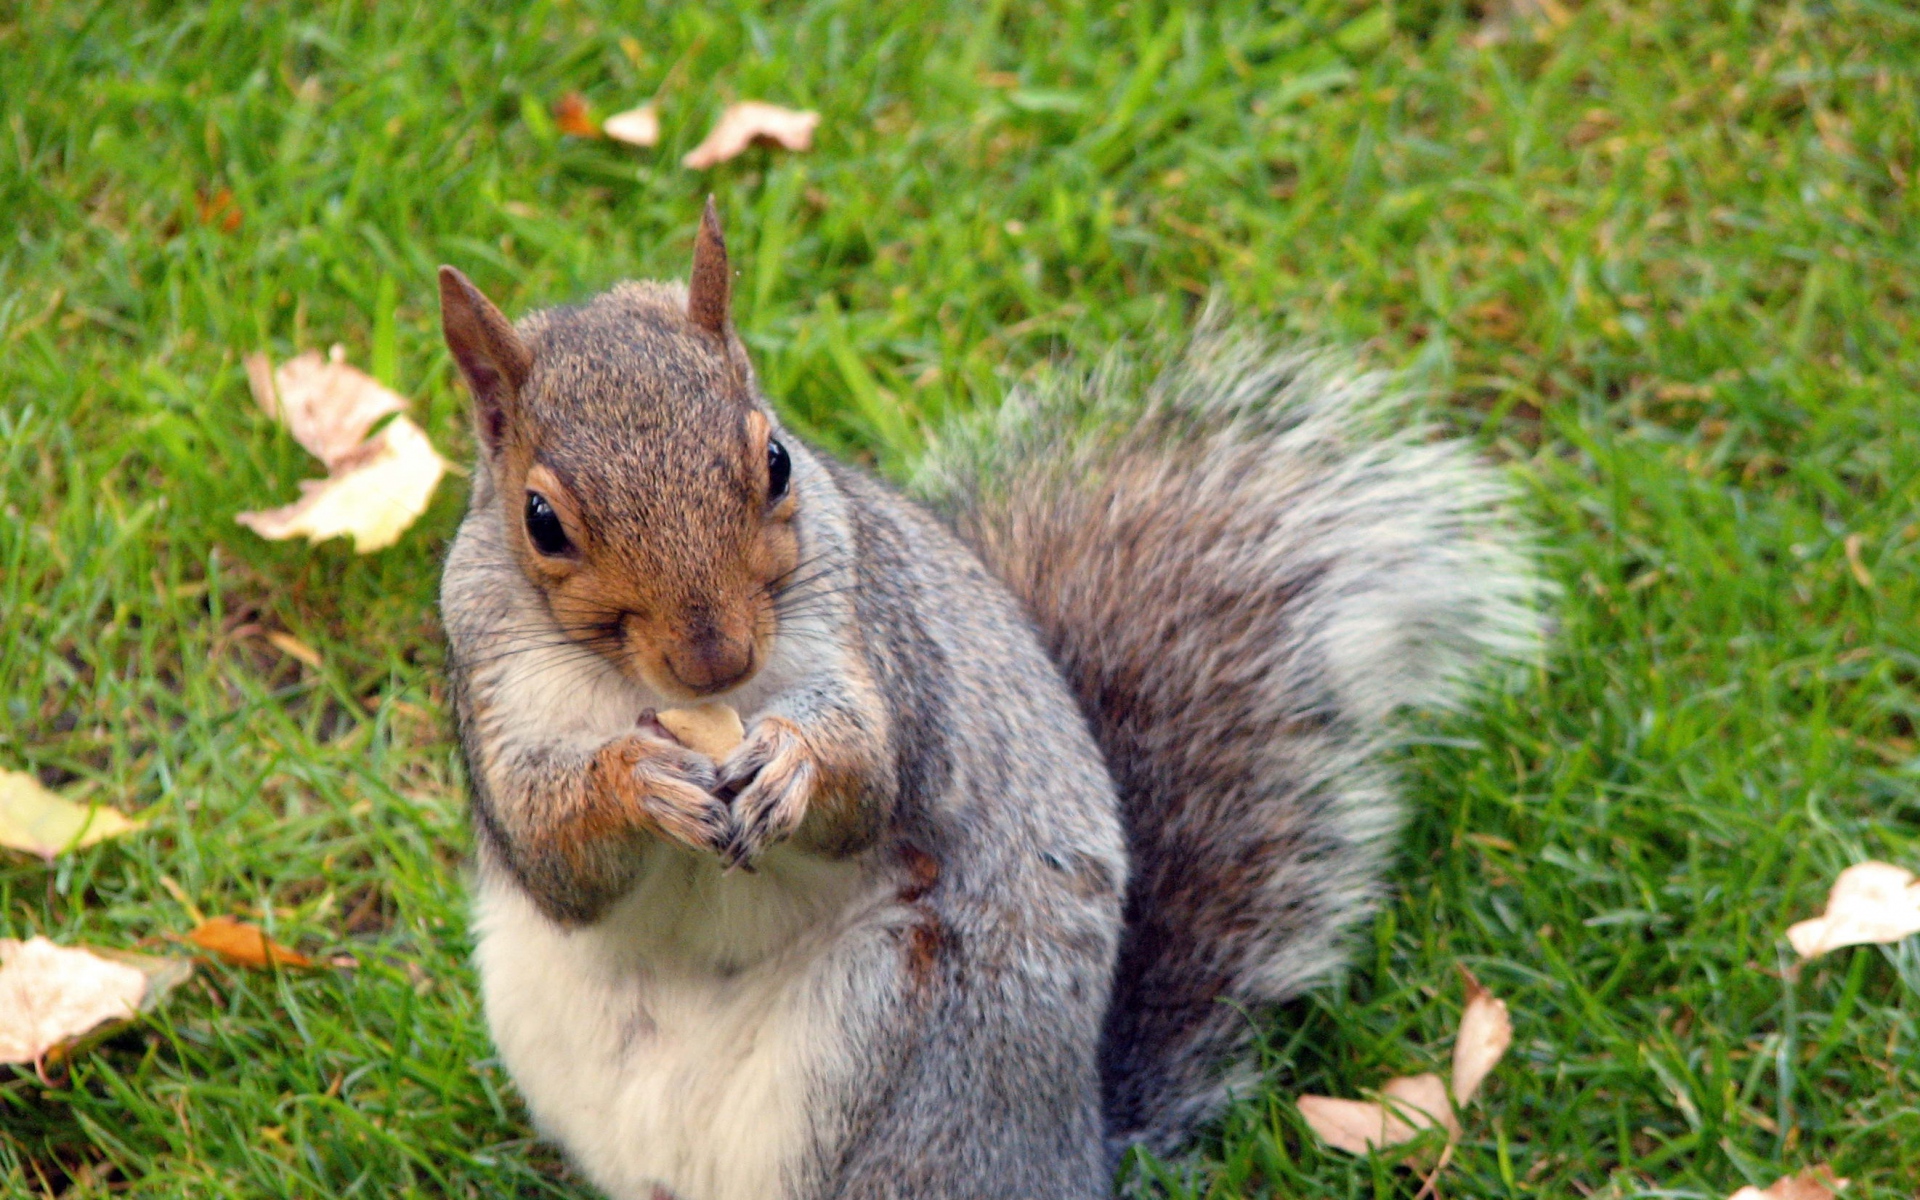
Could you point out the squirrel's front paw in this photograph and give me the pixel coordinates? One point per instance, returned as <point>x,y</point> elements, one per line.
<point>771,777</point>
<point>673,788</point>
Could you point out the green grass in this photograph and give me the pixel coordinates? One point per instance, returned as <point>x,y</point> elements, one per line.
<point>1663,257</point>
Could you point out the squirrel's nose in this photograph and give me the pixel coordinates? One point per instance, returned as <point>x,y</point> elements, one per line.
<point>714,663</point>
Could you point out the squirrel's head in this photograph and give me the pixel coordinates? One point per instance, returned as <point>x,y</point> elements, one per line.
<point>642,484</point>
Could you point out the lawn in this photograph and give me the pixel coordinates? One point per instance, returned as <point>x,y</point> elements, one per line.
<point>1662,259</point>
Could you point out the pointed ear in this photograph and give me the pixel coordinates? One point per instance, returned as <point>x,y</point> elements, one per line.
<point>492,358</point>
<point>710,290</point>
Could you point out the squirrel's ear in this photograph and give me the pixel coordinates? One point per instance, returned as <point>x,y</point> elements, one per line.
<point>492,358</point>
<point>711,288</point>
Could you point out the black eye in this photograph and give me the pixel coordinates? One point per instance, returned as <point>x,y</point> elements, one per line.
<point>543,526</point>
<point>779,469</point>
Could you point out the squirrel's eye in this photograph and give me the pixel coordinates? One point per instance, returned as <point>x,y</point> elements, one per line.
<point>544,528</point>
<point>779,469</point>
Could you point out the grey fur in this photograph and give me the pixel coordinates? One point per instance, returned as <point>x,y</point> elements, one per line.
<point>1245,570</point>
<point>964,939</point>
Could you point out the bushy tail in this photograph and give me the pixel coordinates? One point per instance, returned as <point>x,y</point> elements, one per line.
<point>1245,570</point>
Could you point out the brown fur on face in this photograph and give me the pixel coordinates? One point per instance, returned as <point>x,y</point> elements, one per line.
<point>642,431</point>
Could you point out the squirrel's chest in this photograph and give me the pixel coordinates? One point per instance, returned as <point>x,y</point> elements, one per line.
<point>660,1070</point>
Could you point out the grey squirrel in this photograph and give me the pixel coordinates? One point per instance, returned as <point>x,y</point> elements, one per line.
<point>1046,783</point>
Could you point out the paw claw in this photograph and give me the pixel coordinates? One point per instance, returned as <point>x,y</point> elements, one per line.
<point>769,781</point>
<point>675,787</point>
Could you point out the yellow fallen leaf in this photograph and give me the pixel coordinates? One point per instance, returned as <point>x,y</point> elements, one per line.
<point>636,126</point>
<point>1485,1033</point>
<point>244,945</point>
<point>50,995</point>
<point>1815,1183</point>
<point>749,123</point>
<point>39,821</point>
<point>1871,903</point>
<point>712,729</point>
<point>376,495</point>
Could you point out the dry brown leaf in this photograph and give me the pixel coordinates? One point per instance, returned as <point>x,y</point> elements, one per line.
<point>375,487</point>
<point>220,208</point>
<point>1815,1183</point>
<point>1420,1102</point>
<point>55,1000</point>
<point>712,729</point>
<point>636,126</point>
<point>373,500</point>
<point>325,404</point>
<point>1871,903</point>
<point>51,995</point>
<point>750,123</point>
<point>572,116</point>
<point>244,945</point>
<point>39,821</point>
<point>1535,19</point>
<point>1408,1107</point>
<point>1485,1033</point>
<point>1861,575</point>
<point>1355,1126</point>
<point>293,647</point>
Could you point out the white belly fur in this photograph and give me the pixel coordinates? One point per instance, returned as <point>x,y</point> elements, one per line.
<point>669,1045</point>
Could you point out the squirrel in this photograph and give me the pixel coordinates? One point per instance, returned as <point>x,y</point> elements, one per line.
<point>1051,774</point>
